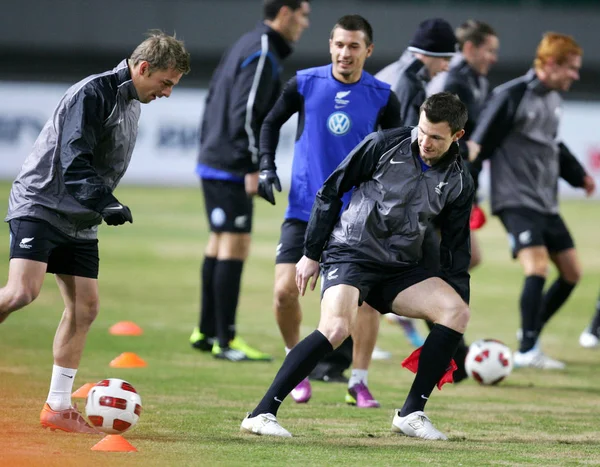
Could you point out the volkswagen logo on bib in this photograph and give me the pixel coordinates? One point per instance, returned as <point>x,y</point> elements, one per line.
<point>338,123</point>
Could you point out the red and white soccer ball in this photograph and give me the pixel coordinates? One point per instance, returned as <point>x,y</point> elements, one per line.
<point>113,406</point>
<point>489,361</point>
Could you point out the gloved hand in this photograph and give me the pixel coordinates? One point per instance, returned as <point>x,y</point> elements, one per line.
<point>116,213</point>
<point>267,179</point>
<point>478,219</point>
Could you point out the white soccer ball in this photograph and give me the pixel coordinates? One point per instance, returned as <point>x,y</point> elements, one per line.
<point>489,361</point>
<point>113,406</point>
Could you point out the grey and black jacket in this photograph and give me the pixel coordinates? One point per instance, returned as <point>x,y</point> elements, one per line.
<point>80,155</point>
<point>392,204</point>
<point>408,78</point>
<point>517,131</point>
<point>242,90</point>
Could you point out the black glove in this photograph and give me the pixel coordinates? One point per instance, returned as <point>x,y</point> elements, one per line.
<point>116,213</point>
<point>267,179</point>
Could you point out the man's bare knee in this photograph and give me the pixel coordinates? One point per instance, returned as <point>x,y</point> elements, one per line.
<point>17,298</point>
<point>455,314</point>
<point>285,298</point>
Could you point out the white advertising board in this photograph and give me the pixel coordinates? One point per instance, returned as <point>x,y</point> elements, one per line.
<point>168,140</point>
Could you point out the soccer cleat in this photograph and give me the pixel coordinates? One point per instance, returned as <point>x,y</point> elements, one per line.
<point>380,354</point>
<point>303,392</point>
<point>360,396</point>
<point>416,425</point>
<point>227,353</point>
<point>408,326</point>
<point>535,358</point>
<point>264,424</point>
<point>252,353</point>
<point>588,340</point>
<point>69,420</point>
<point>200,341</point>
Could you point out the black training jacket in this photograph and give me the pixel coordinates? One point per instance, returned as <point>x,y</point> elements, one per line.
<point>392,205</point>
<point>242,90</point>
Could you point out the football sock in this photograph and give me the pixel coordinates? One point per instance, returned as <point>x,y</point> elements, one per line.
<point>554,298</point>
<point>595,326</point>
<point>531,299</point>
<point>297,365</point>
<point>436,353</point>
<point>358,376</point>
<point>61,386</point>
<point>207,301</point>
<point>459,357</point>
<point>226,288</point>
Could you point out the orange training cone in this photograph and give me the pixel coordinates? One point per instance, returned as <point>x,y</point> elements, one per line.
<point>125,328</point>
<point>114,443</point>
<point>82,392</point>
<point>128,360</point>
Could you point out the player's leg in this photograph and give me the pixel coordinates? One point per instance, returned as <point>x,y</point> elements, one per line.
<point>590,337</point>
<point>203,336</point>
<point>289,316</point>
<point>25,279</point>
<point>339,306</point>
<point>29,250</point>
<point>434,300</point>
<point>564,256</point>
<point>75,265</point>
<point>364,336</point>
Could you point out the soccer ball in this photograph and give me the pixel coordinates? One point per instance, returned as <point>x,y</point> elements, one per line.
<point>113,406</point>
<point>489,361</point>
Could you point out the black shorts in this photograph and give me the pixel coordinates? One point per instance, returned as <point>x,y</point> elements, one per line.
<point>37,240</point>
<point>378,286</point>
<point>228,207</point>
<point>291,242</point>
<point>527,228</point>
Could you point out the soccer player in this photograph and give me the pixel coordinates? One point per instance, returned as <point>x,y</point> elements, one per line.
<point>242,90</point>
<point>467,78</point>
<point>590,336</point>
<point>401,178</point>
<point>517,130</point>
<point>65,190</point>
<point>428,53</point>
<point>338,105</point>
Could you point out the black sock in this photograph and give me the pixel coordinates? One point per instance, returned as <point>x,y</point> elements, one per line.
<point>595,326</point>
<point>437,351</point>
<point>459,357</point>
<point>297,365</point>
<point>207,300</point>
<point>553,299</point>
<point>226,287</point>
<point>531,299</point>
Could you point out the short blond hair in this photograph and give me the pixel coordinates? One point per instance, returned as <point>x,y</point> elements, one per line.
<point>162,52</point>
<point>556,46</point>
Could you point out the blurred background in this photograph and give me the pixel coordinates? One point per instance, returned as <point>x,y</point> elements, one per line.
<point>42,54</point>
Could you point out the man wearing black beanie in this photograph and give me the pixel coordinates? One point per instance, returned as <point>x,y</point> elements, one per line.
<point>428,53</point>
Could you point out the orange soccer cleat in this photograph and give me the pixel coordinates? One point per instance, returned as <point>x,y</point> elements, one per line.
<point>69,420</point>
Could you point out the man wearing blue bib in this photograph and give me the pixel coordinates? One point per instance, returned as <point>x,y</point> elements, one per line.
<point>338,105</point>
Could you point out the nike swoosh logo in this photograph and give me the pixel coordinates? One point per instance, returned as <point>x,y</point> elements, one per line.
<point>67,376</point>
<point>116,208</point>
<point>392,161</point>
<point>277,400</point>
<point>423,397</point>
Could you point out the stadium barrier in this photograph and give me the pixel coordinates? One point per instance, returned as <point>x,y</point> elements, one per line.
<point>168,139</point>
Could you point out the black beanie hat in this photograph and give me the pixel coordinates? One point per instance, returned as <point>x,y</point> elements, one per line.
<point>434,37</point>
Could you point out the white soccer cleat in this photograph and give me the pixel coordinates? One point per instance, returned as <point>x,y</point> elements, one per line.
<point>264,424</point>
<point>588,340</point>
<point>535,358</point>
<point>417,425</point>
<point>380,354</point>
